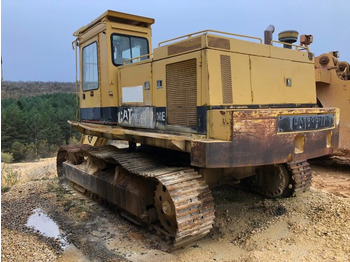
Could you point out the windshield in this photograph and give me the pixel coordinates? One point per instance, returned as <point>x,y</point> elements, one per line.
<point>125,47</point>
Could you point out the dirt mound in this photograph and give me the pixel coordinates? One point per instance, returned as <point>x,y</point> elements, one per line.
<point>28,171</point>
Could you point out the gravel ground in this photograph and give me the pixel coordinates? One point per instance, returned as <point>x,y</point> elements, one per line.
<point>314,226</point>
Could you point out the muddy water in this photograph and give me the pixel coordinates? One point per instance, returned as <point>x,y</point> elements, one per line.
<point>47,227</point>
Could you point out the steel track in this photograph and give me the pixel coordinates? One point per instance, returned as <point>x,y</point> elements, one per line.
<point>297,180</point>
<point>190,197</point>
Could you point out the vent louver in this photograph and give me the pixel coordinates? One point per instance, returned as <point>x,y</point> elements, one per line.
<point>181,94</point>
<point>188,45</point>
<point>226,79</point>
<point>217,42</point>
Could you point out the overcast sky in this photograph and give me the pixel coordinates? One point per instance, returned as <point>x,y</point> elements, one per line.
<point>36,35</point>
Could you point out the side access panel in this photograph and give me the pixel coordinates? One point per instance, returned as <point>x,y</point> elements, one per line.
<point>135,92</point>
<point>178,93</point>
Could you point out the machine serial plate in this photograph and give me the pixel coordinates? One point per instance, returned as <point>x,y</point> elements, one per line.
<point>294,123</point>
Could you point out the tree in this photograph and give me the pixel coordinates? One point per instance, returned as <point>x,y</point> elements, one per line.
<point>37,123</point>
<point>18,151</point>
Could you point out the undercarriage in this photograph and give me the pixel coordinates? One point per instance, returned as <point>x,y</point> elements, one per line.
<point>161,190</point>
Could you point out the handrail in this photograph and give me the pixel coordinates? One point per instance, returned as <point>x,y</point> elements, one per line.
<point>138,57</point>
<point>75,45</point>
<point>297,47</point>
<point>211,31</point>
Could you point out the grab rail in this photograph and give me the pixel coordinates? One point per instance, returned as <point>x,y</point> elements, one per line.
<point>297,47</point>
<point>211,31</point>
<point>138,57</point>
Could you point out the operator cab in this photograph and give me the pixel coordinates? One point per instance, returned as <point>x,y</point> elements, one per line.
<point>108,42</point>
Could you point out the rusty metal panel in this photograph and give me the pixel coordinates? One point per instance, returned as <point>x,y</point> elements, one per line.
<point>226,79</point>
<point>256,141</point>
<point>292,123</point>
<point>258,149</point>
<point>130,193</point>
<point>181,93</point>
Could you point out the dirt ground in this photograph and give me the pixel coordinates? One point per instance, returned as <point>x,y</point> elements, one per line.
<point>314,226</point>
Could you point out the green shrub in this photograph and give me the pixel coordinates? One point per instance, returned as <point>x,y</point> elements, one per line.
<point>5,189</point>
<point>31,153</point>
<point>9,177</point>
<point>18,151</point>
<point>6,157</point>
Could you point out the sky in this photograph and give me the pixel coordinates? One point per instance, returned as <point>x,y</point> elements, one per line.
<point>37,35</point>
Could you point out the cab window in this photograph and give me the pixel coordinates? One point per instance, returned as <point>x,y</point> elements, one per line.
<point>90,67</point>
<point>125,47</point>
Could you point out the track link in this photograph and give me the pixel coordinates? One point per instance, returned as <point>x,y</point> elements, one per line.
<point>301,176</point>
<point>183,201</point>
<point>192,202</point>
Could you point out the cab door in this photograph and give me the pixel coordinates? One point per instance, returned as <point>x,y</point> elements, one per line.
<point>90,90</point>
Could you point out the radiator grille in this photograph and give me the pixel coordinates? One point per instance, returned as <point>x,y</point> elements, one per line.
<point>226,79</point>
<point>219,42</point>
<point>188,45</point>
<point>181,95</point>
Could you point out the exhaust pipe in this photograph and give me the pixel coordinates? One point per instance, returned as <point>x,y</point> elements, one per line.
<point>268,34</point>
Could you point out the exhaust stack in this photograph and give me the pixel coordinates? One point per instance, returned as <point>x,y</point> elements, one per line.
<point>268,34</point>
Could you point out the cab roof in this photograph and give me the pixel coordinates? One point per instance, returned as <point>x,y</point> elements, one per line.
<point>118,17</point>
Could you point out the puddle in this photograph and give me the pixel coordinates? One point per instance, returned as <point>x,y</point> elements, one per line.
<point>46,226</point>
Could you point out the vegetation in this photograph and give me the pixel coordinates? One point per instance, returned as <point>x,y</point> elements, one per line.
<point>9,178</point>
<point>16,89</point>
<point>34,127</point>
<point>6,157</point>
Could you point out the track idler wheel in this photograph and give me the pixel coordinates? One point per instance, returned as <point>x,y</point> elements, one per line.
<point>271,181</point>
<point>165,209</point>
<point>70,154</point>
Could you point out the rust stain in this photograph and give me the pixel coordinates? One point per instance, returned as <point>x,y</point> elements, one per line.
<point>255,141</point>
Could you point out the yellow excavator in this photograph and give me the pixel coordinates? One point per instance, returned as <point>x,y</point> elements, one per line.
<point>200,110</point>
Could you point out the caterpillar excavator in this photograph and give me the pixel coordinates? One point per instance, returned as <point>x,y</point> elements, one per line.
<point>198,111</point>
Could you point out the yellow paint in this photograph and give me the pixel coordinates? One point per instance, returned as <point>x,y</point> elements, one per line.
<point>268,80</point>
<point>260,75</point>
<point>322,75</point>
<point>290,54</point>
<point>159,73</point>
<point>100,30</point>
<point>143,71</point>
<point>241,89</point>
<point>334,91</point>
<point>90,98</point>
<point>258,72</point>
<point>93,140</point>
<point>221,124</point>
